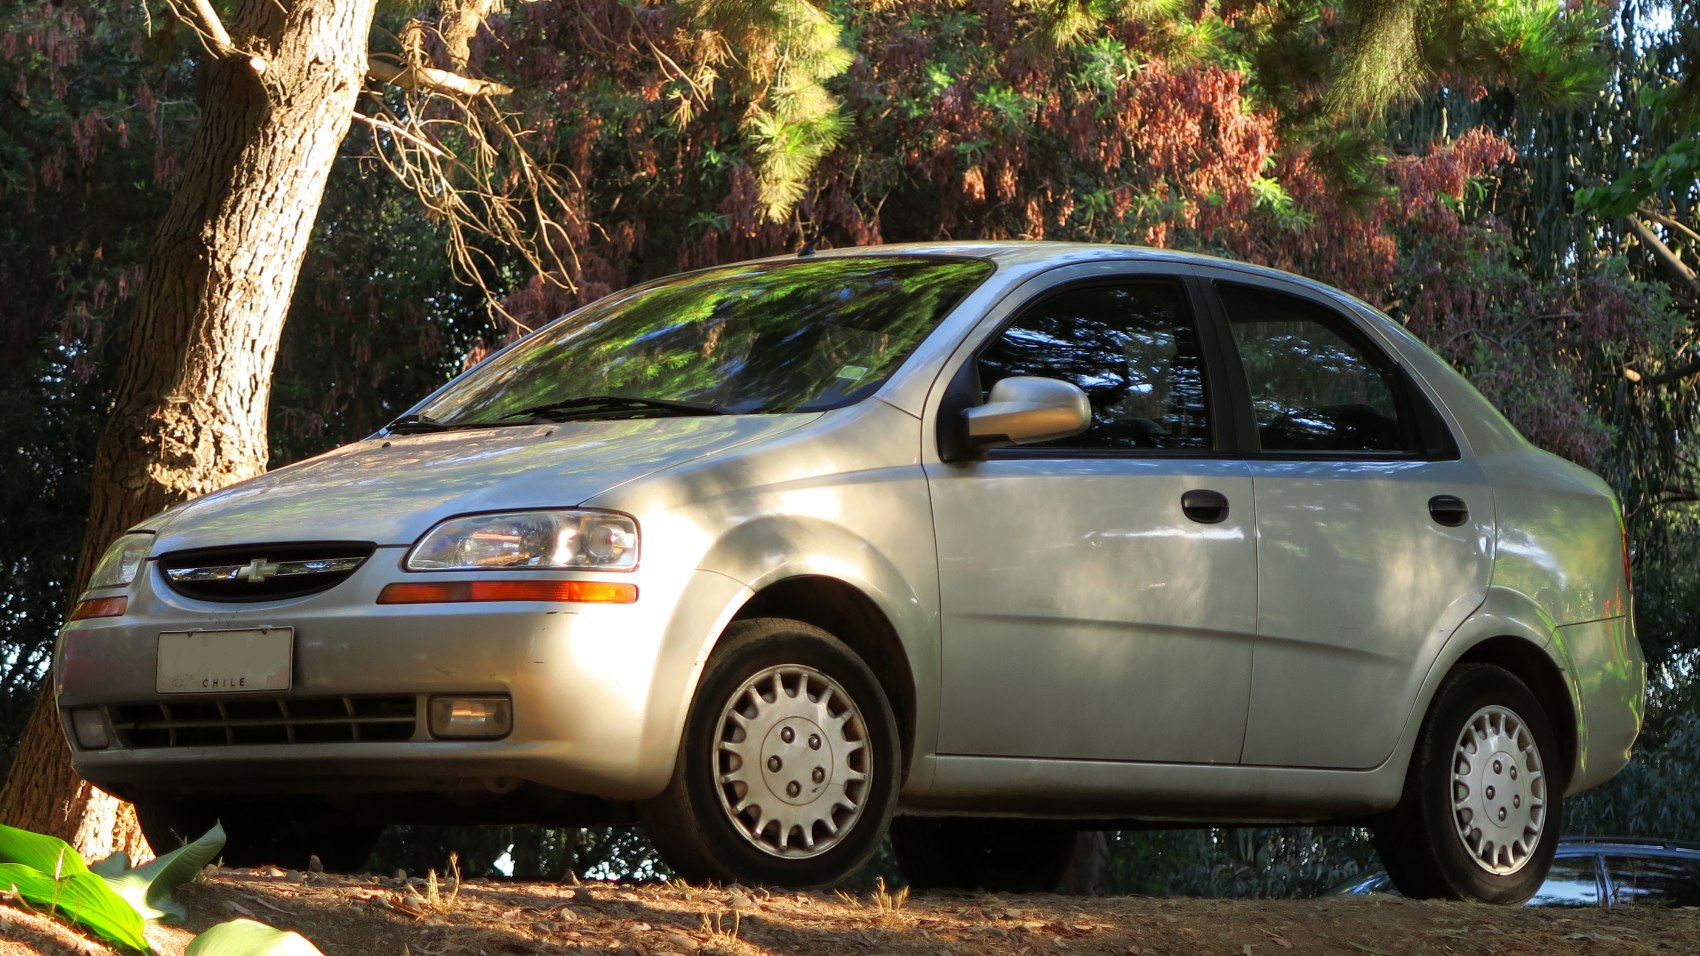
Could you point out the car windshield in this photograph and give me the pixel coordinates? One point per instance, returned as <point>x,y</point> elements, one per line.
<point>798,336</point>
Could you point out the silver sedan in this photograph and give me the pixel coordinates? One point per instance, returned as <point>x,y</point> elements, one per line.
<point>765,555</point>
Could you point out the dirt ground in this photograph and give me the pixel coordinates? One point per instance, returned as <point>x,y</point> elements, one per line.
<point>359,915</point>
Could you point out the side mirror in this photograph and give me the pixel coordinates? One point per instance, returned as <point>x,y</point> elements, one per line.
<point>1023,410</point>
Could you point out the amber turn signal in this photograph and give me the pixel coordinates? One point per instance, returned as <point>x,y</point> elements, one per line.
<point>454,592</point>
<point>99,607</point>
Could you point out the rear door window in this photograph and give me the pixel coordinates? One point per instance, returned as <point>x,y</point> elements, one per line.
<point>1317,384</point>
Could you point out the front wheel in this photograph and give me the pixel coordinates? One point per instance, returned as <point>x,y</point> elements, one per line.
<point>789,766</point>
<point>1484,799</point>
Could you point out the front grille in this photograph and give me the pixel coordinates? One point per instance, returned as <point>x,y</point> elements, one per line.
<point>263,572</point>
<point>272,720</point>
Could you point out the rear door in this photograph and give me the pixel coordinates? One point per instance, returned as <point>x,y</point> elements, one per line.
<point>1374,534</point>
<point>1098,592</point>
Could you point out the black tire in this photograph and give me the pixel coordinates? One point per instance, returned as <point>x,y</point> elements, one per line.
<point>1432,850</point>
<point>695,823</point>
<point>259,836</point>
<point>995,856</point>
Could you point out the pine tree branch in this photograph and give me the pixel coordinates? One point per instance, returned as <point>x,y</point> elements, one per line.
<point>213,27</point>
<point>1670,375</point>
<point>431,78</point>
<point>200,16</point>
<point>1662,254</point>
<point>1670,223</point>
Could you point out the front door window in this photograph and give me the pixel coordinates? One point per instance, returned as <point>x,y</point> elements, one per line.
<point>1132,348</point>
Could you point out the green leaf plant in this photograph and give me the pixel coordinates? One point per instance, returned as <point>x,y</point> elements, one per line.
<point>114,901</point>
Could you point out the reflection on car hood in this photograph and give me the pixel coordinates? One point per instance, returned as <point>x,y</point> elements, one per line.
<point>390,491</point>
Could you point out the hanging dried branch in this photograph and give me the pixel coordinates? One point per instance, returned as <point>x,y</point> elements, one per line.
<point>444,136</point>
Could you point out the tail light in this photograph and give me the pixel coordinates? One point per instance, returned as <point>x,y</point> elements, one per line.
<point>1623,539</point>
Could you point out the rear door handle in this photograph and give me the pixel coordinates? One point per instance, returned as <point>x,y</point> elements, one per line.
<point>1448,510</point>
<point>1205,506</point>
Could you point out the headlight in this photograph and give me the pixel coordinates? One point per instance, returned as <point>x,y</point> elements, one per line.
<point>601,540</point>
<point>118,566</point>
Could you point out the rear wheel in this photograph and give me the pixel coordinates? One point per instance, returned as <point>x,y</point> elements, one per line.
<point>789,766</point>
<point>996,856</point>
<point>1484,799</point>
<point>258,835</point>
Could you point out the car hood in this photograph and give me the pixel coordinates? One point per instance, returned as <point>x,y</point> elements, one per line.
<point>391,490</point>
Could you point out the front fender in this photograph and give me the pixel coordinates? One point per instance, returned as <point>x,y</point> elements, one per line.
<point>775,548</point>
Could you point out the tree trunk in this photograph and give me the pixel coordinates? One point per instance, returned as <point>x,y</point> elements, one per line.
<point>189,415</point>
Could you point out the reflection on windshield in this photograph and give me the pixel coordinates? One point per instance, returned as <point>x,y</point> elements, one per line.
<point>804,335</point>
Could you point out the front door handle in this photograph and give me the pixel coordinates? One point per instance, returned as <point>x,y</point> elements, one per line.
<point>1448,510</point>
<point>1205,506</point>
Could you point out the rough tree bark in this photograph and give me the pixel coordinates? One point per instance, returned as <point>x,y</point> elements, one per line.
<point>189,416</point>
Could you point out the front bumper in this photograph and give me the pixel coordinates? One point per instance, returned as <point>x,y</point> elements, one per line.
<point>599,692</point>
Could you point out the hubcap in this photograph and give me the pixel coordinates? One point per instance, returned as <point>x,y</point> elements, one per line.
<point>1499,791</point>
<point>792,761</point>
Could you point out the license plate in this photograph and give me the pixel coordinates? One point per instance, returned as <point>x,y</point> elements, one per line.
<point>225,662</point>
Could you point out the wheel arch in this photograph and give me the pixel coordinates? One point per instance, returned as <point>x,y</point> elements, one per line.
<point>1531,665</point>
<point>849,614</point>
<point>1509,630</point>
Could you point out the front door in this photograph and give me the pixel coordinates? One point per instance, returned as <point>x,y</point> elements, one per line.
<point>1098,592</point>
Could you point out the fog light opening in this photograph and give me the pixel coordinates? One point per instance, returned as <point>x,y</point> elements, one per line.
<point>90,728</point>
<point>482,718</point>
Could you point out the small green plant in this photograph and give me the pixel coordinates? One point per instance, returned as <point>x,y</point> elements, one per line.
<point>114,901</point>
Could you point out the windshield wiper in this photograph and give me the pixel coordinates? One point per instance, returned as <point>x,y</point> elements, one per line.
<point>597,404</point>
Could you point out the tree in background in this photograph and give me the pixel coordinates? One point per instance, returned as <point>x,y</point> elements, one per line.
<point>91,123</point>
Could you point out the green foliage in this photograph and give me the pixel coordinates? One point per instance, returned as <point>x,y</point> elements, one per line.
<point>1676,169</point>
<point>46,872</point>
<point>80,898</point>
<point>114,902</point>
<point>1547,49</point>
<point>786,51</point>
<point>1064,22</point>
<point>148,888</point>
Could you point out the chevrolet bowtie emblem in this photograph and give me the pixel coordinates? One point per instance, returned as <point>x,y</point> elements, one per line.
<point>258,571</point>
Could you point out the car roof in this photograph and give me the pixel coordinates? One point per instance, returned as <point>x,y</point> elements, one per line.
<point>1022,252</point>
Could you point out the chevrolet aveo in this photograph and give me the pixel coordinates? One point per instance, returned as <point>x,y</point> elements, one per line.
<point>1000,540</point>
